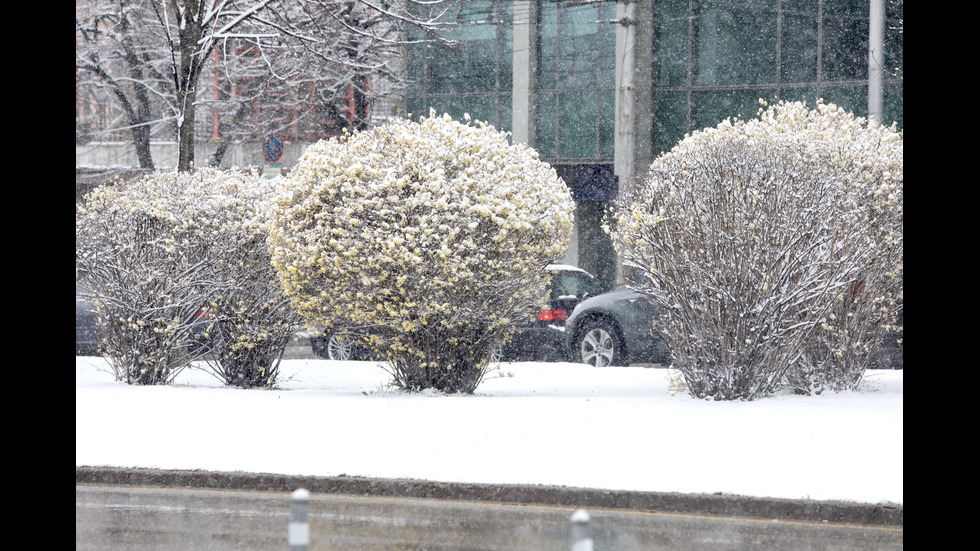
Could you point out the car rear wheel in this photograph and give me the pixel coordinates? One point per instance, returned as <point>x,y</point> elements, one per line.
<point>340,346</point>
<point>600,345</point>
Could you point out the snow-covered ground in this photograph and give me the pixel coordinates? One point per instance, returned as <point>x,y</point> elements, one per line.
<point>528,423</point>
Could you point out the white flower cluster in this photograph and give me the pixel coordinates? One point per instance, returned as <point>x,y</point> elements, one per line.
<point>747,233</point>
<point>193,206</point>
<point>413,225</point>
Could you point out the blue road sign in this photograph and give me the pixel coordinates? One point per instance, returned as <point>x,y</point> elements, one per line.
<point>272,148</point>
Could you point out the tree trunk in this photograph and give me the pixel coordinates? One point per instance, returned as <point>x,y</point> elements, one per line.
<point>185,133</point>
<point>138,116</point>
<point>141,141</point>
<point>219,153</point>
<point>139,110</point>
<point>187,74</point>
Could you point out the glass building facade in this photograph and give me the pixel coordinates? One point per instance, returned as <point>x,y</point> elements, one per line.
<point>703,61</point>
<point>711,59</point>
<point>576,81</point>
<point>715,59</point>
<point>473,72</point>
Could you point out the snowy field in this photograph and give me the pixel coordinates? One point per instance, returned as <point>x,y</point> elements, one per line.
<point>528,423</point>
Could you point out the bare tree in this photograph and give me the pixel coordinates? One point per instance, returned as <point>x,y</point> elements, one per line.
<point>114,62</point>
<point>154,54</point>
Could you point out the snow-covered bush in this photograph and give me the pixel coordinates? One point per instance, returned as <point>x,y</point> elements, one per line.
<point>177,265</point>
<point>434,234</point>
<point>773,248</point>
<point>250,319</point>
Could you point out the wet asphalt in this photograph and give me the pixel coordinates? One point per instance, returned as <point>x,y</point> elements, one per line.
<point>559,496</point>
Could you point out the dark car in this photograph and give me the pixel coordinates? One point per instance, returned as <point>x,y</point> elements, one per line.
<point>615,328</point>
<point>544,338</point>
<point>541,339</point>
<point>891,351</point>
<point>86,330</point>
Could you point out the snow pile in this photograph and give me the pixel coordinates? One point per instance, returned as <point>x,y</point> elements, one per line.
<point>626,428</point>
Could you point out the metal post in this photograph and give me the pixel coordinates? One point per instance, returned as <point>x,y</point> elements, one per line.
<point>524,69</point>
<point>299,522</point>
<point>876,60</point>
<point>581,531</point>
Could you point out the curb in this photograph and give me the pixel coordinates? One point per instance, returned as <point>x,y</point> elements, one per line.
<point>560,496</point>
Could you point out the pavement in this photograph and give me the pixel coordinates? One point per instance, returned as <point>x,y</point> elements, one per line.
<point>299,348</point>
<point>558,496</point>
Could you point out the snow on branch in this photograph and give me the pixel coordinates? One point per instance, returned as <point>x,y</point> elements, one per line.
<point>773,247</point>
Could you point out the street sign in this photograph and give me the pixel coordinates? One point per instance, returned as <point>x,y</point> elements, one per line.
<point>272,170</point>
<point>272,148</point>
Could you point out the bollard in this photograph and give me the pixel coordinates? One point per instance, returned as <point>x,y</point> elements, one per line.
<point>299,520</point>
<point>581,531</point>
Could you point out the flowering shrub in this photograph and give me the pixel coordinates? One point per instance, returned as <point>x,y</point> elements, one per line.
<point>157,252</point>
<point>773,248</point>
<point>250,319</point>
<point>434,233</point>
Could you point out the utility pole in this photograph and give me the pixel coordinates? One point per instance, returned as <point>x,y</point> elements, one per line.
<point>876,59</point>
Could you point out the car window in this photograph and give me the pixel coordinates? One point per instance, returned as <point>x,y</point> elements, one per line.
<point>574,283</point>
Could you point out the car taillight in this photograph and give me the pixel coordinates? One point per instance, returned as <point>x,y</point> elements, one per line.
<point>549,314</point>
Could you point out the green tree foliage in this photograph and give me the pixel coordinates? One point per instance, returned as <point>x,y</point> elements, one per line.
<point>434,234</point>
